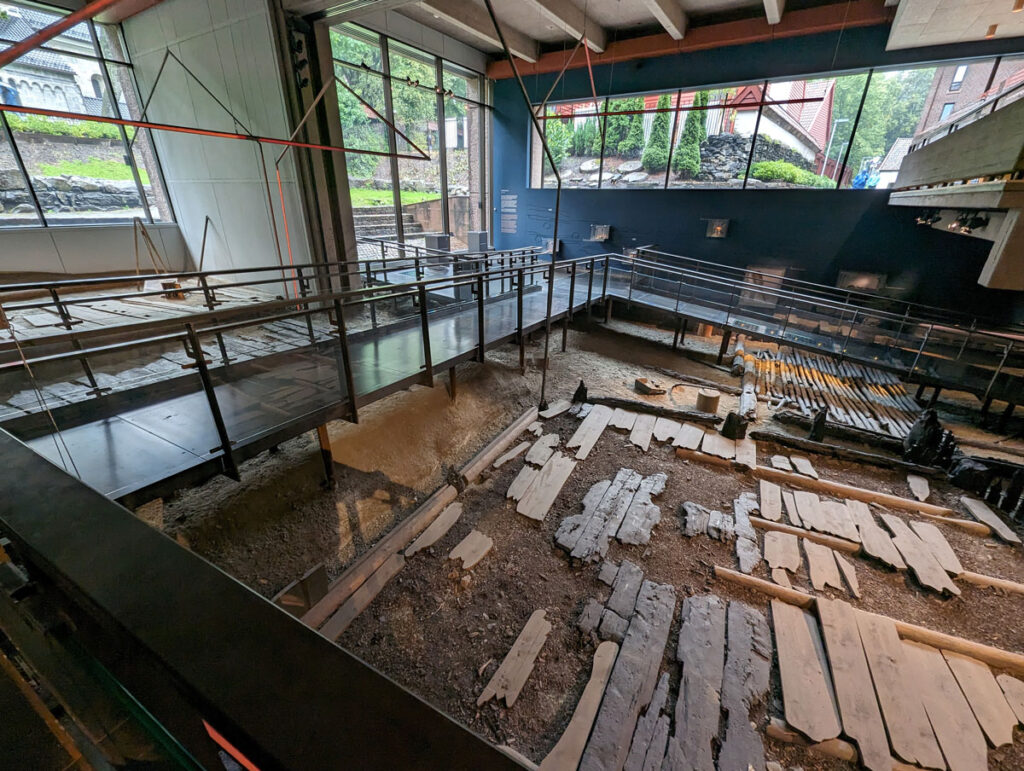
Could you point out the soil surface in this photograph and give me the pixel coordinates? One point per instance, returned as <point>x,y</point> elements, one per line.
<point>441,631</point>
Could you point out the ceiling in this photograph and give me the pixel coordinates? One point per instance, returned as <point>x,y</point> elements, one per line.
<point>938,22</point>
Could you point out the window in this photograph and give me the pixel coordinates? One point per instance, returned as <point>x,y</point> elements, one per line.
<point>958,78</point>
<point>947,110</point>
<point>57,171</point>
<point>440,108</point>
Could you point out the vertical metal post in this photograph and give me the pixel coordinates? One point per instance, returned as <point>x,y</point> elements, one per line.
<point>753,139</point>
<point>210,302</point>
<point>389,113</point>
<point>920,350</point>
<point>999,369</point>
<point>68,322</point>
<point>16,153</point>
<point>304,292</point>
<point>428,364</point>
<point>572,291</point>
<point>442,147</point>
<point>230,469</point>
<point>347,378</point>
<point>325,453</point>
<point>590,285</point>
<point>519,321</point>
<point>846,343</point>
<point>481,329</point>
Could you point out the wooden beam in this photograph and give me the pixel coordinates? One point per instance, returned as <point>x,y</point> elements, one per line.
<point>806,21</point>
<point>572,20</point>
<point>670,15</point>
<point>773,10</point>
<point>473,20</point>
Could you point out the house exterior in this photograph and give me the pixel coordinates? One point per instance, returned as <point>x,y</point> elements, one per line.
<point>889,168</point>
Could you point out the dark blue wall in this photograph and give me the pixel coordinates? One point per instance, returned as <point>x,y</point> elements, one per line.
<point>815,232</point>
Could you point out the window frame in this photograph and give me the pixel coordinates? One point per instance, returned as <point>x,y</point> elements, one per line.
<point>959,75</point>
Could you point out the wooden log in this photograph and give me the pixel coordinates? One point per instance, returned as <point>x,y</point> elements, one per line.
<point>381,552</point>
<point>830,541</point>
<point>842,453</point>
<point>361,598</point>
<point>989,581</point>
<point>873,438</point>
<point>698,381</point>
<point>497,446</point>
<point>683,416</point>
<point>707,401</point>
<point>833,748</point>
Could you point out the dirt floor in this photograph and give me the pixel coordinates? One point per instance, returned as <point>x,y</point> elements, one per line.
<point>440,631</point>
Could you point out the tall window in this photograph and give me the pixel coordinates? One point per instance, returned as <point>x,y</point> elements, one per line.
<point>58,171</point>
<point>958,78</point>
<point>441,109</point>
<point>947,110</point>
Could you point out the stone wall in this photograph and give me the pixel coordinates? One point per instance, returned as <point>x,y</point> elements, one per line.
<point>724,156</point>
<point>67,194</point>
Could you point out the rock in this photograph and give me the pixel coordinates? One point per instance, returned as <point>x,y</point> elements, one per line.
<point>771,765</point>
<point>926,441</point>
<point>629,167</point>
<point>636,176</point>
<point>594,164</point>
<point>608,572</point>
<point>23,208</point>
<point>595,177</point>
<point>590,616</point>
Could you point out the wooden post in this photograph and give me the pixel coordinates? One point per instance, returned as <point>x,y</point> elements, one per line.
<point>452,383</point>
<point>325,453</point>
<point>726,334</point>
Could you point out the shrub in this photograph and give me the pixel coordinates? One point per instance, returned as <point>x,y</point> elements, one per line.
<point>633,144</point>
<point>584,139</point>
<point>37,124</point>
<point>559,137</point>
<point>655,157</point>
<point>686,158</point>
<point>783,171</point>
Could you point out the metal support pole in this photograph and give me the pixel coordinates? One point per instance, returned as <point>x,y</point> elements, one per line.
<point>920,350</point>
<point>590,286</point>
<point>325,454</point>
<point>68,323</point>
<point>481,329</point>
<point>428,364</point>
<point>519,321</point>
<point>572,291</point>
<point>347,378</point>
<point>228,459</point>
<point>452,383</point>
<point>547,332</point>
<point>999,369</point>
<point>210,301</point>
<point>304,292</point>
<point>726,335</point>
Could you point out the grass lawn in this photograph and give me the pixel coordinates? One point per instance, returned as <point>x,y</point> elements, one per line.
<point>93,169</point>
<point>364,196</point>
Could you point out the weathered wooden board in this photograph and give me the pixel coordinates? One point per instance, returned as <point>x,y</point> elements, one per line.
<point>646,728</point>
<point>875,541</point>
<point>666,430</point>
<point>782,550</point>
<point>522,483</point>
<point>918,556</point>
<point>746,452</point>
<point>919,486</point>
<point>622,419</point>
<point>565,755</point>
<point>983,693</point>
<point>515,452</point>
<point>781,577</point>
<point>633,677</point>
<point>436,530</point>
<point>808,699</point>
<point>838,521</point>
<point>556,408</point>
<point>720,526</point>
<point>981,512</point>
<point>642,514</point>
<point>771,500</point>
<point>821,566</point>
<point>571,529</point>
<point>642,431</point>
<point>906,720</point>
<point>809,507</point>
<point>697,518</point>
<point>510,677</point>
<point>689,437</point>
<point>590,431</point>
<point>545,489</point>
<point>789,501</point>
<point>744,685</point>
<point>803,466</point>
<point>361,597</point>
<point>849,573</point>
<point>954,724</point>
<point>659,744</point>
<point>716,444</point>
<point>585,536</point>
<point>471,549</point>
<point>855,696</point>
<point>781,462</point>
<point>625,589</point>
<point>1013,690</point>
<point>939,546</point>
<point>543,449</point>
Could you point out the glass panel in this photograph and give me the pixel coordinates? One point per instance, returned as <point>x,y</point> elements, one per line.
<point>16,208</point>
<point>369,176</point>
<point>19,22</point>
<point>355,45</point>
<point>574,138</point>
<point>625,136</point>
<point>411,65</point>
<point>713,144</point>
<point>419,180</point>
<point>465,175</point>
<point>804,132</point>
<point>894,111</point>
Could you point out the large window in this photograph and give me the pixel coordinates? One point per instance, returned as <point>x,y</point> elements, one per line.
<point>57,171</point>
<point>441,109</point>
<point>828,131</point>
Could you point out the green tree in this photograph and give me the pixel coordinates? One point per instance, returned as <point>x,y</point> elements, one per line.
<point>617,126</point>
<point>686,158</point>
<point>632,146</point>
<point>655,156</point>
<point>585,137</point>
<point>559,138</point>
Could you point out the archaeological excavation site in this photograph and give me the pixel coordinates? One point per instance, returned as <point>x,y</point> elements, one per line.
<point>470,385</point>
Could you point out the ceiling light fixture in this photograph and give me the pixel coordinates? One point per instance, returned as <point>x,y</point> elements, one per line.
<point>991,32</point>
<point>1018,6</point>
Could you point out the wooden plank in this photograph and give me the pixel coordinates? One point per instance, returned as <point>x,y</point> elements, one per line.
<point>566,754</point>
<point>436,530</point>
<point>985,696</point>
<point>906,720</point>
<point>666,429</point>
<point>954,724</point>
<point>919,486</point>
<point>644,738</point>
<point>744,685</point>
<point>586,536</point>
<point>918,556</point>
<point>716,444</point>
<point>809,507</point>
<point>746,452</point>
<point>556,408</point>
<point>510,677</point>
<point>642,431</point>
<point>633,677</point>
<point>939,547</point>
<point>625,589</point>
<point>821,566</point>
<point>803,466</point>
<point>471,549</point>
<point>497,446</point>
<point>622,419</point>
<point>361,598</point>
<point>689,437</point>
<point>770,500</point>
<point>980,511</point>
<point>782,550</point>
<point>590,431</point>
<point>572,528</point>
<point>515,452</point>
<point>1013,690</point>
<point>781,577</point>
<point>858,706</point>
<point>838,521</point>
<point>543,449</point>
<point>808,700</point>
<point>849,573</point>
<point>701,652</point>
<point>545,489</point>
<point>781,462</point>
<point>642,514</point>
<point>522,483</point>
<point>875,541</point>
<point>789,501</point>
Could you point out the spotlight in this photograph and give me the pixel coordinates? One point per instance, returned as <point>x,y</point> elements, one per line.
<point>991,32</point>
<point>928,217</point>
<point>1018,6</point>
<point>973,222</point>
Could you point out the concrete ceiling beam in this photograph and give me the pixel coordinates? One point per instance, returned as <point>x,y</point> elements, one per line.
<point>773,10</point>
<point>474,21</point>
<point>670,15</point>
<point>571,19</point>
